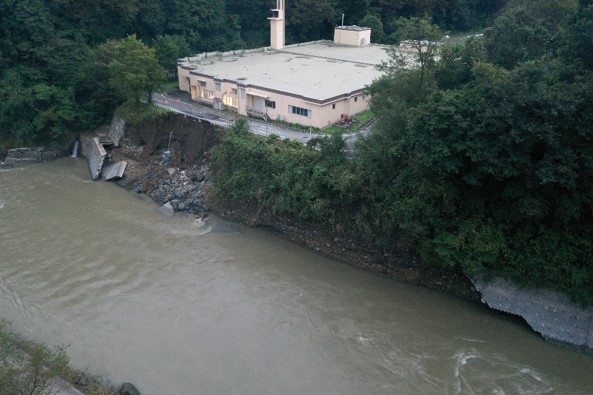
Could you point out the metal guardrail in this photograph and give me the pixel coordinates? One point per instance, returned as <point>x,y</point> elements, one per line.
<point>189,114</point>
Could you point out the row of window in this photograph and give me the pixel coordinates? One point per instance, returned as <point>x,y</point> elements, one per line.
<point>299,111</point>
<point>206,94</point>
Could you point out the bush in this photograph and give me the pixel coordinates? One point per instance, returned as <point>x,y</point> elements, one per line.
<point>26,367</point>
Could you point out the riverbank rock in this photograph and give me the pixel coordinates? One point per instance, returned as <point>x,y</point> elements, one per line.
<point>23,156</point>
<point>549,313</point>
<point>184,190</point>
<point>128,389</point>
<point>167,209</point>
<point>62,387</point>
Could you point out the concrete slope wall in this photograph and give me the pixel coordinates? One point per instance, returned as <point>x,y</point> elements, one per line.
<point>549,313</point>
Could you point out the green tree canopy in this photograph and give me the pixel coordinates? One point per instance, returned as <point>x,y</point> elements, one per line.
<point>170,48</point>
<point>134,70</point>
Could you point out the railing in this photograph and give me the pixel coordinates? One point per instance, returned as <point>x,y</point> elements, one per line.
<point>257,113</point>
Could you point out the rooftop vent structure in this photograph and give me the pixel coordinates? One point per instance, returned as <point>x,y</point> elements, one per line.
<point>355,36</point>
<point>277,26</point>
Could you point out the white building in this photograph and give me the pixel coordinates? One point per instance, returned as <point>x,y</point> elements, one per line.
<point>312,84</point>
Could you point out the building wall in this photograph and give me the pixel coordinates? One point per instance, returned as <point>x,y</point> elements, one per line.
<point>349,36</point>
<point>276,105</point>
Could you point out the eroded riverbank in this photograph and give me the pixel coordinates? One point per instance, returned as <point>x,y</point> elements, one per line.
<point>181,178</point>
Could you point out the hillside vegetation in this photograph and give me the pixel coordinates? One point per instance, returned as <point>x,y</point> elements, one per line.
<point>482,161</point>
<point>66,65</point>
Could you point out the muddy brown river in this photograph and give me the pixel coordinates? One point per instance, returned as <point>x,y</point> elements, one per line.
<point>177,307</point>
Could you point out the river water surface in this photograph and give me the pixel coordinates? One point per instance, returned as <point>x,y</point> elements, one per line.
<point>181,308</point>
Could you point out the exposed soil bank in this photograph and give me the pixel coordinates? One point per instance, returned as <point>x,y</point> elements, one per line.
<point>338,246</point>
<point>180,178</point>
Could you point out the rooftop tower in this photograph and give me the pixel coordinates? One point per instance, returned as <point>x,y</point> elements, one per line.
<point>277,26</point>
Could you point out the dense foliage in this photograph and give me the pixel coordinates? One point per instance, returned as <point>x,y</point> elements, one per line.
<point>482,160</point>
<point>58,71</point>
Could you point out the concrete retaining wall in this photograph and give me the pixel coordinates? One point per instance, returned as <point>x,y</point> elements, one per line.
<point>23,156</point>
<point>549,313</point>
<point>94,152</point>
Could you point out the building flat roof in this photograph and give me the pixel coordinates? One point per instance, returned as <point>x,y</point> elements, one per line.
<point>320,71</point>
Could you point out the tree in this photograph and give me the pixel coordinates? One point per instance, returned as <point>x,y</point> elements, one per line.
<point>353,11</point>
<point>455,66</point>
<point>310,20</point>
<point>16,104</point>
<point>27,368</point>
<point>527,31</point>
<point>54,110</point>
<point>578,42</point>
<point>168,49</point>
<point>376,26</point>
<point>250,16</point>
<point>424,40</point>
<point>134,70</point>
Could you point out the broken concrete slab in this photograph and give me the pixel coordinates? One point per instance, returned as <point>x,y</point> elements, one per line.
<point>115,170</point>
<point>549,313</point>
<point>94,152</point>
<point>116,131</point>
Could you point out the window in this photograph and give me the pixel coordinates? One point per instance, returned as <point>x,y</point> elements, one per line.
<point>206,94</point>
<point>218,86</point>
<point>203,84</point>
<point>299,111</point>
<point>230,101</point>
<point>234,91</point>
<point>242,93</point>
<point>270,104</point>
<point>355,98</point>
<point>334,106</point>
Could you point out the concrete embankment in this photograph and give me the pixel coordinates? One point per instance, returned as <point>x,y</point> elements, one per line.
<point>549,313</point>
<point>23,156</point>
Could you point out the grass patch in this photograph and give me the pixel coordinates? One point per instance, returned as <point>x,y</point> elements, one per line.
<point>296,126</point>
<point>137,113</point>
<point>170,85</point>
<point>361,118</point>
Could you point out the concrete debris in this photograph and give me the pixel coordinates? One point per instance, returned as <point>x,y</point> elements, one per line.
<point>116,131</point>
<point>115,170</point>
<point>92,148</point>
<point>96,157</point>
<point>22,156</point>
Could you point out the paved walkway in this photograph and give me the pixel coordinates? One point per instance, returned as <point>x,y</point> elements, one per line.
<point>180,103</point>
<point>183,105</point>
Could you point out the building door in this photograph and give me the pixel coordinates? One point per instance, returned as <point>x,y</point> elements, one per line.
<point>194,92</point>
<point>258,103</point>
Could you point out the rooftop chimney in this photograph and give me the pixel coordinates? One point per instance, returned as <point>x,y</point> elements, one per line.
<point>277,25</point>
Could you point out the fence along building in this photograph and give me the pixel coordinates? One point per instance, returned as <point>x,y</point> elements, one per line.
<point>313,84</point>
